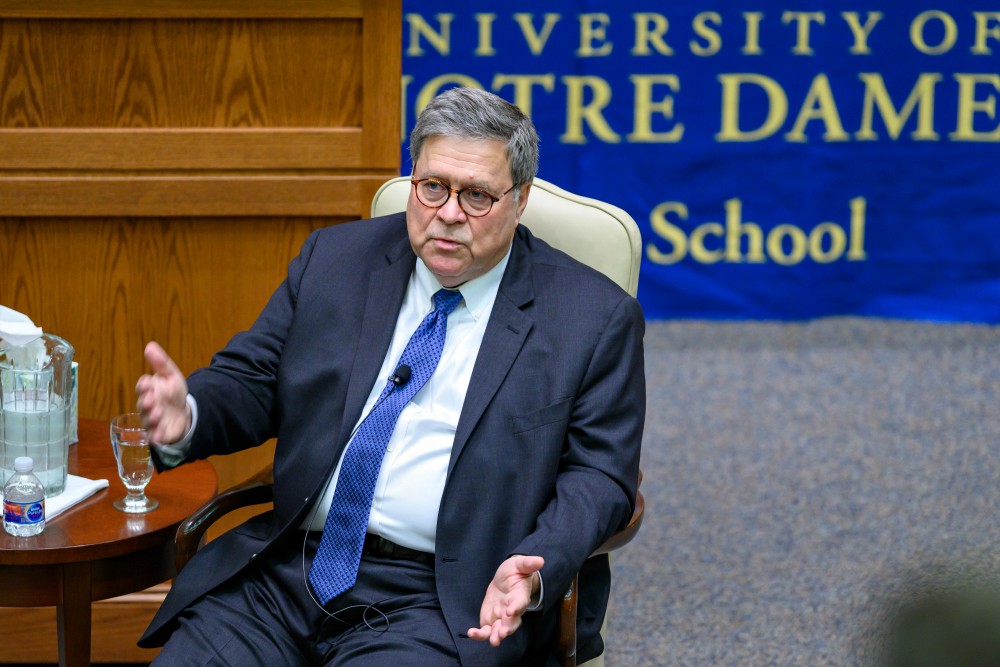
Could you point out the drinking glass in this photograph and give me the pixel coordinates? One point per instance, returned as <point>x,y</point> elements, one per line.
<point>130,442</point>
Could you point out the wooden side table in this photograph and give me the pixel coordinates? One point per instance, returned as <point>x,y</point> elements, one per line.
<point>92,551</point>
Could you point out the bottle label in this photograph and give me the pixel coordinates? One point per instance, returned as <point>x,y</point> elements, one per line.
<point>23,514</point>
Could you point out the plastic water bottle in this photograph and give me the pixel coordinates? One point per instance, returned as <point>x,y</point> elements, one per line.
<point>23,500</point>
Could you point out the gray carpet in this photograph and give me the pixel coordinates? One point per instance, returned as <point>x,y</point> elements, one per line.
<point>801,481</point>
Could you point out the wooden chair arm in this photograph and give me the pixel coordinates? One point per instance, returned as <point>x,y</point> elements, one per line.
<point>567,626</point>
<point>256,490</point>
<point>567,610</point>
<point>626,534</point>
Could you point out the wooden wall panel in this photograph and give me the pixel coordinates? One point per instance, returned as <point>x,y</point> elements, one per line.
<point>160,164</point>
<point>108,285</point>
<point>113,107</point>
<point>228,195</point>
<point>180,73</point>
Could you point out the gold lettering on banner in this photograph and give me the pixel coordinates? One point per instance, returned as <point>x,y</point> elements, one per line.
<point>737,230</point>
<point>404,84</point>
<point>752,106</point>
<point>859,211</point>
<point>984,31</point>
<point>713,41</point>
<point>594,28</point>
<point>817,241</point>
<point>776,245</point>
<point>699,251</point>
<point>484,47</point>
<point>741,242</point>
<point>777,107</point>
<point>861,32</point>
<point>968,106</point>
<point>921,97</point>
<point>523,85</point>
<point>650,29</point>
<point>654,117</point>
<point>751,42</point>
<point>669,232</point>
<point>803,21</point>
<point>818,105</point>
<point>440,39</point>
<point>947,40</point>
<point>536,40</point>
<point>931,32</point>
<point>642,124</point>
<point>577,112</point>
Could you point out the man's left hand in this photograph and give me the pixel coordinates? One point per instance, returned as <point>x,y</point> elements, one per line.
<point>507,597</point>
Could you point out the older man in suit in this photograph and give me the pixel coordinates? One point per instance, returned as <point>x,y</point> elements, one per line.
<point>489,487</point>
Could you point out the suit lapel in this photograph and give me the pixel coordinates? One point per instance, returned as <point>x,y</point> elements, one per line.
<point>386,288</point>
<point>505,335</point>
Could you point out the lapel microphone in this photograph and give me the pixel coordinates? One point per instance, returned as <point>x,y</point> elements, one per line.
<point>401,376</point>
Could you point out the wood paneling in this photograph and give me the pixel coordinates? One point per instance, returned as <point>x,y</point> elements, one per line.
<point>334,148</point>
<point>216,73</point>
<point>160,164</point>
<point>188,195</point>
<point>113,107</point>
<point>109,285</point>
<point>180,9</point>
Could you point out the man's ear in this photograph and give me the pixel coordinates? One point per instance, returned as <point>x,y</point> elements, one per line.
<point>523,201</point>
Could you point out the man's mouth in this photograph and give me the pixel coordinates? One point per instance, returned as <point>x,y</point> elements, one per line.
<point>446,244</point>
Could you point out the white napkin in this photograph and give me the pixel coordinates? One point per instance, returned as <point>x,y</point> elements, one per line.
<point>17,328</point>
<point>77,490</point>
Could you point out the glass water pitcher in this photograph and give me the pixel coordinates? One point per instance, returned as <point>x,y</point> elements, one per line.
<point>36,381</point>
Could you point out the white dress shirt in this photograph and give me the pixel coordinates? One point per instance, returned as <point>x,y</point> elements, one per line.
<point>411,481</point>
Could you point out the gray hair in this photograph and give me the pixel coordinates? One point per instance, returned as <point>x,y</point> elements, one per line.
<point>472,113</point>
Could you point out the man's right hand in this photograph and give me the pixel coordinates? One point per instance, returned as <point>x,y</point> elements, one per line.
<point>163,397</point>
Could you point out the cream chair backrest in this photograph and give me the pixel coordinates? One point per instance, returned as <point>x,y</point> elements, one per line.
<point>598,234</point>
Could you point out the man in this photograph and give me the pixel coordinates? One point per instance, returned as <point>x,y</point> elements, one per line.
<point>516,459</point>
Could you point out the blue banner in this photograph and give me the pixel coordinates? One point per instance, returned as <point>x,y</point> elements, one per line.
<point>781,162</point>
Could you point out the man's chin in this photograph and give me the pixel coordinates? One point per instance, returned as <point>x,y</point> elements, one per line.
<point>448,273</point>
<point>450,282</point>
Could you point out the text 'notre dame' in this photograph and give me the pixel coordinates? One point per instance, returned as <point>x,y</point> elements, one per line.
<point>796,114</point>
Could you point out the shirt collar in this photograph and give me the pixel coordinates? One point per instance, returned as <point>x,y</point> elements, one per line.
<point>478,294</point>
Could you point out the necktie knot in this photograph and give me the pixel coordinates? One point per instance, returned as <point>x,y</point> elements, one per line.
<point>446,300</point>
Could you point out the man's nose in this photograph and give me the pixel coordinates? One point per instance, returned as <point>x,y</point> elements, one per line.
<point>452,211</point>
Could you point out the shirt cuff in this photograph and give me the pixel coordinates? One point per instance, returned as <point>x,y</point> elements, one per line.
<point>536,603</point>
<point>173,455</point>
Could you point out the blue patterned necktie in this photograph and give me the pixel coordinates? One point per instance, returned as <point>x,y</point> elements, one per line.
<point>335,566</point>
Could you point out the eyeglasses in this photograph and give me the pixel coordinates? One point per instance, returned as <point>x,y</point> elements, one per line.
<point>434,193</point>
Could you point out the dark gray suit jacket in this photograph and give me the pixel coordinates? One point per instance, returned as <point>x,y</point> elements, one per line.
<point>546,454</point>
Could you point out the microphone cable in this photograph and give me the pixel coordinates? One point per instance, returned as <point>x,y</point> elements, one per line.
<point>399,377</point>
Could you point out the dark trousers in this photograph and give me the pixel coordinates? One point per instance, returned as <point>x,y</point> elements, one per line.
<point>390,617</point>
